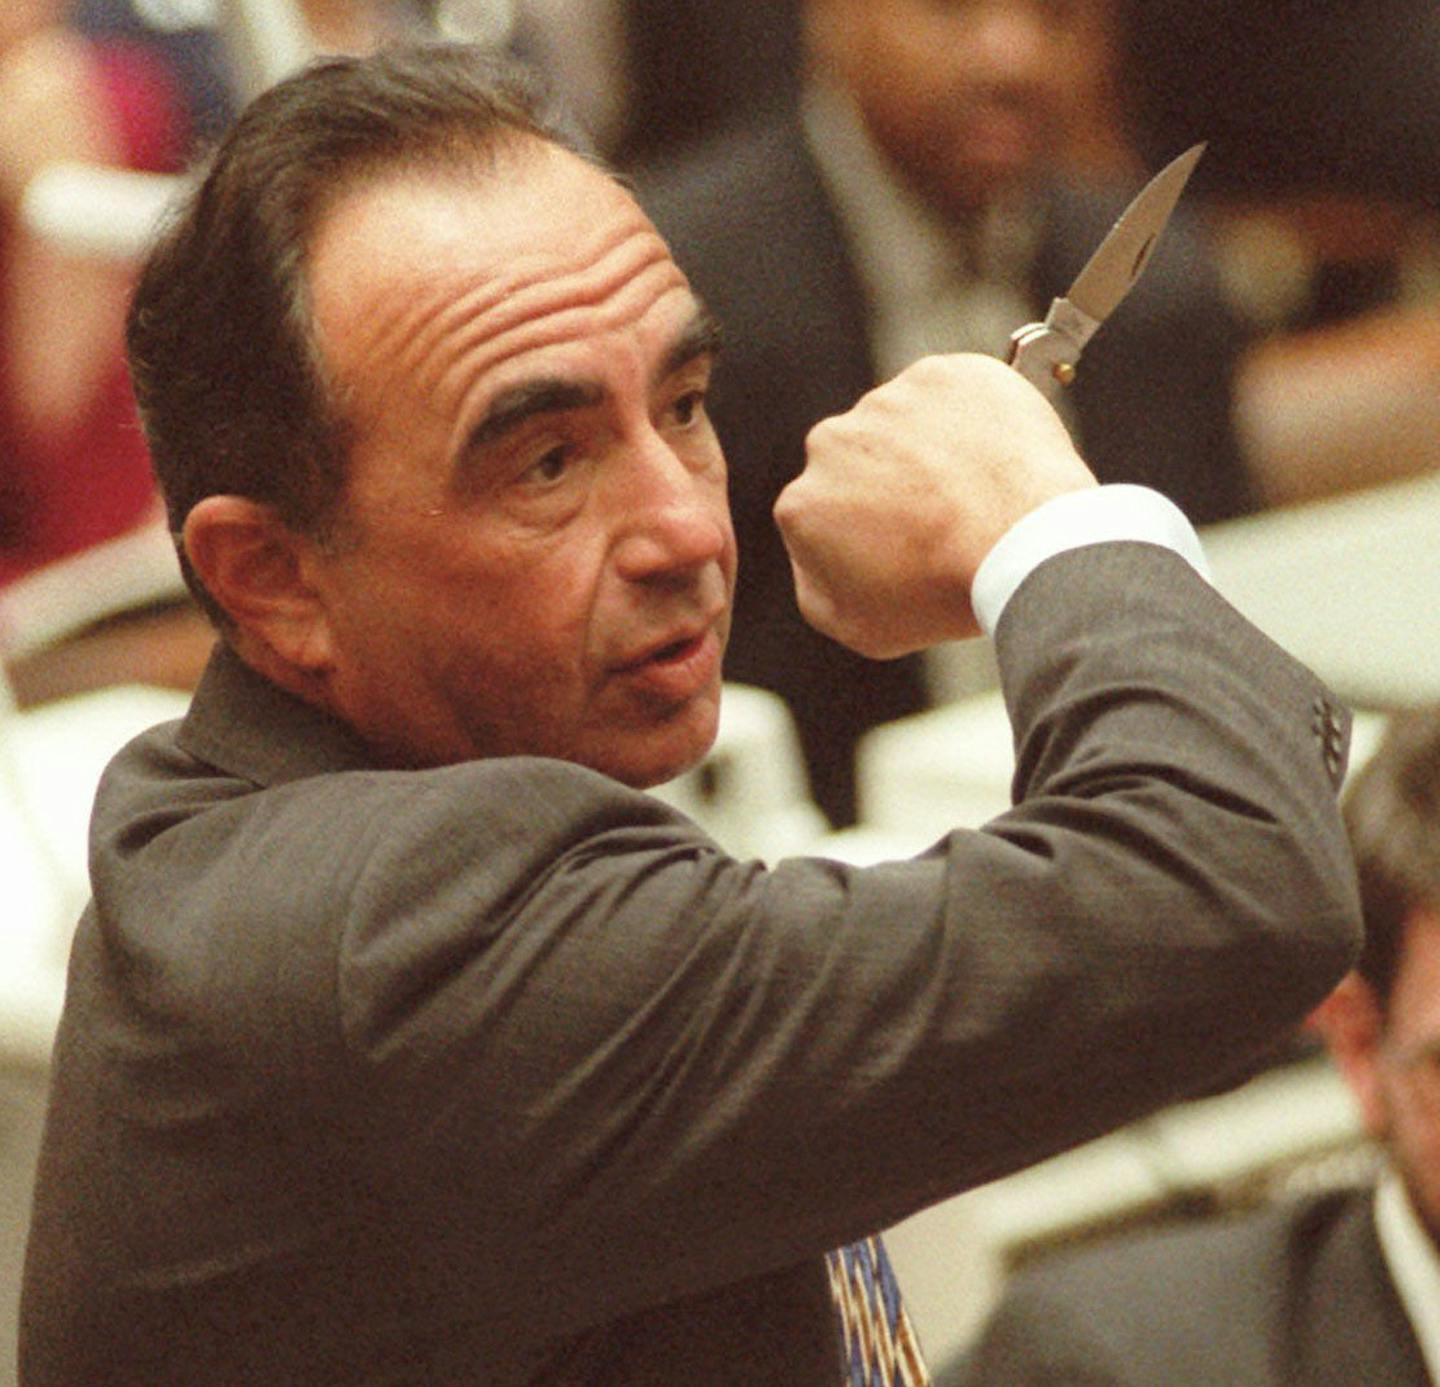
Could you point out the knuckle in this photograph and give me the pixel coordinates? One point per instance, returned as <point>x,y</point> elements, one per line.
<point>823,434</point>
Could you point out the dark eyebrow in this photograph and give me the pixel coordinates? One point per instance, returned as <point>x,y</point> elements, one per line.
<point>701,336</point>
<point>555,394</point>
<point>548,395</point>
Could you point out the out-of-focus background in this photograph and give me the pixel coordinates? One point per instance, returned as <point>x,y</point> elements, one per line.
<point>1294,349</point>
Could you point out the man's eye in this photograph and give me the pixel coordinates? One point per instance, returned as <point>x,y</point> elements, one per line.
<point>687,407</point>
<point>549,468</point>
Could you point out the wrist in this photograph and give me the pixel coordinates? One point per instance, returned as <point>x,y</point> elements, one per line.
<point>1097,515</point>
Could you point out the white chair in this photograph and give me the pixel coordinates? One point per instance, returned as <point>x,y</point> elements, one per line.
<point>1350,585</point>
<point>949,767</point>
<point>51,759</point>
<point>134,570</point>
<point>750,792</point>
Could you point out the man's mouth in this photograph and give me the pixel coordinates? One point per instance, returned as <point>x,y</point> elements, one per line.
<point>676,650</point>
<point>685,638</point>
<point>678,669</point>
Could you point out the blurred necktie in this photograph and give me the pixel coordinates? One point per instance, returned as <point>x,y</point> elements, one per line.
<point>878,1341</point>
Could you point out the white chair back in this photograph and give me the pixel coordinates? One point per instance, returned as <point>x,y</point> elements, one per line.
<point>751,793</point>
<point>51,760</point>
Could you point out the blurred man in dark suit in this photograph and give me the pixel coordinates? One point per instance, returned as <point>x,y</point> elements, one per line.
<point>910,201</point>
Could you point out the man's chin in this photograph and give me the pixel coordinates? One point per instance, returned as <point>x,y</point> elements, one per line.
<point>960,181</point>
<point>674,749</point>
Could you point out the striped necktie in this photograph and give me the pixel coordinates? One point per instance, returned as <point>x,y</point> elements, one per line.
<point>878,1342</point>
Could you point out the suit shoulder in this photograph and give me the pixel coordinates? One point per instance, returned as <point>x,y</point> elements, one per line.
<point>758,158</point>
<point>747,215</point>
<point>1200,1260</point>
<point>1195,1302</point>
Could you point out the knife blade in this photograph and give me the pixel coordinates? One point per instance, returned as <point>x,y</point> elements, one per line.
<point>1047,353</point>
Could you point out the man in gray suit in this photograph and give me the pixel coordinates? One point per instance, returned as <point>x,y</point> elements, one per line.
<point>407,1040</point>
<point>1337,1288</point>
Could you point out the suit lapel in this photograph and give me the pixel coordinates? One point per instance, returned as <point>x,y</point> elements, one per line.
<point>1348,1324</point>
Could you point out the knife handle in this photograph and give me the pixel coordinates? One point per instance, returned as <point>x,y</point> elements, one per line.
<point>1044,357</point>
<point>1047,353</point>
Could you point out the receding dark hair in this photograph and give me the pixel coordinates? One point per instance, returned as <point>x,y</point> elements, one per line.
<point>219,338</point>
<point>1392,813</point>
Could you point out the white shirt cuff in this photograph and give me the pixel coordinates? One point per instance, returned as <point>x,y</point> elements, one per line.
<point>1099,515</point>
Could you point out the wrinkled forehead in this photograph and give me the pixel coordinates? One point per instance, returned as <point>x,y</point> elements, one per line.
<point>512,217</point>
<point>429,279</point>
<point>509,192</point>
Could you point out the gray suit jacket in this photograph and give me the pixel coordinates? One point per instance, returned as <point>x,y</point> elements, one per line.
<point>1293,1296</point>
<point>751,223</point>
<point>503,1073</point>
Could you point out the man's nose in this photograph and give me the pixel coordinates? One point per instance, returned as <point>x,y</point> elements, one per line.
<point>673,515</point>
<point>1010,42</point>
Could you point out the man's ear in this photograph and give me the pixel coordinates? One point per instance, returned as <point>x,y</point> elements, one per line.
<point>255,567</point>
<point>1352,1022</point>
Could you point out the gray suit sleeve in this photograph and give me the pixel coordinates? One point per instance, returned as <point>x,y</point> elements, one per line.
<point>554,987</point>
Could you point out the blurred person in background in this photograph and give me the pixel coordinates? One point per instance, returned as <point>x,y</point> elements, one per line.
<point>1313,111</point>
<point>73,467</point>
<point>188,37</point>
<point>1339,1287</point>
<point>136,84</point>
<point>181,34</point>
<point>918,195</point>
<point>644,78</point>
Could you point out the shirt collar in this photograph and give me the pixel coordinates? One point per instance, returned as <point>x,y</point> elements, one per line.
<point>1414,1263</point>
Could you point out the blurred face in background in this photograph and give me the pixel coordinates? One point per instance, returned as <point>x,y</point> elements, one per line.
<point>1407,1099</point>
<point>1389,1053</point>
<point>967,98</point>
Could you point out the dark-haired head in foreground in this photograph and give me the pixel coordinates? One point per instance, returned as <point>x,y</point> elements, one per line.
<point>408,350</point>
